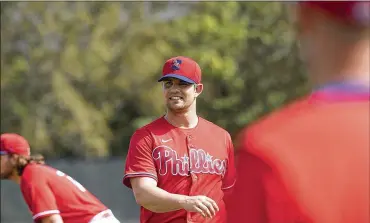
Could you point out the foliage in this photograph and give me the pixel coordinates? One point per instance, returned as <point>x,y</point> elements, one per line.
<point>77,78</point>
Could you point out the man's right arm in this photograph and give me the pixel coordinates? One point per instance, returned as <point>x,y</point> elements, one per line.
<point>157,200</point>
<point>153,198</point>
<point>55,218</point>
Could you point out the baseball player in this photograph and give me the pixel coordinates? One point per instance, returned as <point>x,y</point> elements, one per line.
<point>51,195</point>
<point>309,162</point>
<point>180,166</point>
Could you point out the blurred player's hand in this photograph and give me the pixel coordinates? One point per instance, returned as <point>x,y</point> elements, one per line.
<point>201,204</point>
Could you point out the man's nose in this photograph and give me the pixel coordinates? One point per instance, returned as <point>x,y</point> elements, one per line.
<point>175,87</point>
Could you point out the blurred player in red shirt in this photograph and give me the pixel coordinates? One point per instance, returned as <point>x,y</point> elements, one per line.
<point>181,166</point>
<point>51,195</point>
<point>309,161</point>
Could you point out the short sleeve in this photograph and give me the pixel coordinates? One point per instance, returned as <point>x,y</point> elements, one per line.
<point>39,197</point>
<point>230,175</point>
<point>139,160</point>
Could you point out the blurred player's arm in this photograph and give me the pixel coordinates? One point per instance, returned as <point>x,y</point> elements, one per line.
<point>259,195</point>
<point>249,195</point>
<point>55,218</point>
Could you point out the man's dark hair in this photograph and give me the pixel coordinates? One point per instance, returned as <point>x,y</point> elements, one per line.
<point>23,161</point>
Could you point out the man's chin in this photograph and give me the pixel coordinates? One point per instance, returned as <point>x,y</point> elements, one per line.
<point>177,109</point>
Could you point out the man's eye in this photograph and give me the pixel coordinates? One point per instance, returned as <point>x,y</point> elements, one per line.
<point>167,84</point>
<point>184,83</point>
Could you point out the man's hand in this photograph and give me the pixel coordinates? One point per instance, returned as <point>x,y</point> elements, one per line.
<point>201,204</point>
<point>157,200</point>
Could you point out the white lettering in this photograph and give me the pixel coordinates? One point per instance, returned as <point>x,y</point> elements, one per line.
<point>198,161</point>
<point>77,184</point>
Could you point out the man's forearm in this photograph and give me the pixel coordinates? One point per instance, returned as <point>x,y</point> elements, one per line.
<point>56,218</point>
<point>158,200</point>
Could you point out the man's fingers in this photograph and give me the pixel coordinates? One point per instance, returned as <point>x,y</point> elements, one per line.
<point>210,207</point>
<point>199,211</point>
<point>214,204</point>
<point>204,208</point>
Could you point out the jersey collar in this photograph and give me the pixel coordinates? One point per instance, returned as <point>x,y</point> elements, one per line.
<point>342,91</point>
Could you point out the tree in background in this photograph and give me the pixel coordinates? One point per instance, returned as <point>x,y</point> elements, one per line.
<point>78,78</point>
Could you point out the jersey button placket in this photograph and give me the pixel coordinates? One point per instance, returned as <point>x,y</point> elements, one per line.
<point>193,176</point>
<point>189,147</point>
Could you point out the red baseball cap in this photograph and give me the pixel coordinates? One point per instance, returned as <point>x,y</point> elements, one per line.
<point>12,143</point>
<point>355,12</point>
<point>182,68</point>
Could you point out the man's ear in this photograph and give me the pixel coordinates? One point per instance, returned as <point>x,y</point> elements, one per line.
<point>198,89</point>
<point>13,158</point>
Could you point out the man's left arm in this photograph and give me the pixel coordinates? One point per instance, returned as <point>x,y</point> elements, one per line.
<point>229,179</point>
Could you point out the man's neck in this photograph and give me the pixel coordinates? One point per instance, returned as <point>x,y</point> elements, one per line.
<point>343,68</point>
<point>186,120</point>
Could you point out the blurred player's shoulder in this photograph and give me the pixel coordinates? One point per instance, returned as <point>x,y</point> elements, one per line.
<point>299,121</point>
<point>273,122</point>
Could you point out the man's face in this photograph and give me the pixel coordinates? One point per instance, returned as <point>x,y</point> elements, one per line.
<point>180,95</point>
<point>7,166</point>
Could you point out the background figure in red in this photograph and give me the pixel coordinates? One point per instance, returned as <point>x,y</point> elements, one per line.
<point>51,195</point>
<point>309,161</point>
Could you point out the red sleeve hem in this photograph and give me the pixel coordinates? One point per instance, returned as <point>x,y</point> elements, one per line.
<point>126,177</point>
<point>44,214</point>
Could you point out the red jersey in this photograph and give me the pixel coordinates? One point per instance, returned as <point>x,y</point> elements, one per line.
<point>48,191</point>
<point>307,163</point>
<point>198,161</point>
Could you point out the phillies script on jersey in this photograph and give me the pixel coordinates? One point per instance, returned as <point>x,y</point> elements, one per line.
<point>48,191</point>
<point>198,161</point>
